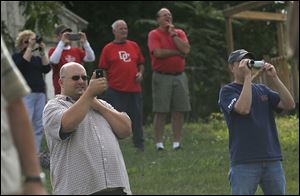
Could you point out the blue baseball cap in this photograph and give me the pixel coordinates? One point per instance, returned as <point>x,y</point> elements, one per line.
<point>238,55</point>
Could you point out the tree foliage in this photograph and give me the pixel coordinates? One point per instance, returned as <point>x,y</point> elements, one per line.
<point>41,16</point>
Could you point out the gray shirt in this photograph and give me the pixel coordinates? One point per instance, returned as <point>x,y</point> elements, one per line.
<point>87,160</point>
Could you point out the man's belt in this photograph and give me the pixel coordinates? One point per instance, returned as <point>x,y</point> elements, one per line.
<point>173,74</point>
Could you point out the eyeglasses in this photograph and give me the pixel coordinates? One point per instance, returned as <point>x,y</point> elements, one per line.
<point>77,77</point>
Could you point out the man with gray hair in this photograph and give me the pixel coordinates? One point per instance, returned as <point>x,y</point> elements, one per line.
<point>168,47</point>
<point>82,133</point>
<point>123,61</point>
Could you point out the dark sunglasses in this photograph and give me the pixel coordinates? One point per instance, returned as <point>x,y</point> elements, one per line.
<point>75,78</point>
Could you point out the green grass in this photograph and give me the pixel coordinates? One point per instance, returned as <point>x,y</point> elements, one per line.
<point>201,167</point>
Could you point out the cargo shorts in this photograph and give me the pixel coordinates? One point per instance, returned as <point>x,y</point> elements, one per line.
<point>170,93</point>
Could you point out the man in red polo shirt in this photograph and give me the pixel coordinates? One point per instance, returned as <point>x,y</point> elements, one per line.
<point>124,65</point>
<point>168,47</point>
<point>64,52</point>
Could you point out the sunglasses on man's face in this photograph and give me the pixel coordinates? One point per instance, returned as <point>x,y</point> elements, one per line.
<point>77,77</point>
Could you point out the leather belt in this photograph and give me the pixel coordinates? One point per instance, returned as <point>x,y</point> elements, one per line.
<point>173,74</point>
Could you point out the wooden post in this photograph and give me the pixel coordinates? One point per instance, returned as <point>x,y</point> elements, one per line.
<point>283,69</point>
<point>295,81</point>
<point>229,38</point>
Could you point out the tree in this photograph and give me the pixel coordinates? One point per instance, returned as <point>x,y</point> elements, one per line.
<point>41,16</point>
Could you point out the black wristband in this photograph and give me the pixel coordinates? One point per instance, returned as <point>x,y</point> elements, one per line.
<point>174,35</point>
<point>36,179</point>
<point>33,179</point>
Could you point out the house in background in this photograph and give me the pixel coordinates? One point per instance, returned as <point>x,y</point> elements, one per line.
<point>12,17</point>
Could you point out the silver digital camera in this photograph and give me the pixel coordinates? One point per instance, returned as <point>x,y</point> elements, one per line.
<point>255,64</point>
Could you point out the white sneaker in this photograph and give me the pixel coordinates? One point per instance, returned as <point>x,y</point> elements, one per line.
<point>176,145</point>
<point>159,146</point>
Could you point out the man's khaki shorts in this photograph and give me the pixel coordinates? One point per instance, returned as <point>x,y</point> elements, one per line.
<point>170,93</point>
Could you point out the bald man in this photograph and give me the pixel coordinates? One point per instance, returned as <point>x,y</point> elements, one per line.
<point>82,133</point>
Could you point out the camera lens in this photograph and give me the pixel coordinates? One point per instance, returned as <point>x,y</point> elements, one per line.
<point>39,39</point>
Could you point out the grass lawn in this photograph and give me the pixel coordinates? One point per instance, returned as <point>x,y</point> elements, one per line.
<point>201,167</point>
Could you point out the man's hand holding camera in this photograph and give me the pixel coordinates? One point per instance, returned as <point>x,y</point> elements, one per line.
<point>243,67</point>
<point>97,85</point>
<point>270,70</point>
<point>67,37</point>
<point>82,37</point>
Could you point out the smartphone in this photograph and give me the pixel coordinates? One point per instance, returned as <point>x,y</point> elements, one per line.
<point>73,36</point>
<point>99,73</point>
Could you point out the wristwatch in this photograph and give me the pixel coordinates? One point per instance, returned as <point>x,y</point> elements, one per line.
<point>38,179</point>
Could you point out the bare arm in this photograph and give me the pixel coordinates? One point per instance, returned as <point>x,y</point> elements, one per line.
<point>119,122</point>
<point>22,134</point>
<point>139,75</point>
<point>141,68</point>
<point>75,114</point>
<point>243,104</point>
<point>182,46</point>
<point>286,99</point>
<point>163,53</point>
<point>44,57</point>
<point>28,52</point>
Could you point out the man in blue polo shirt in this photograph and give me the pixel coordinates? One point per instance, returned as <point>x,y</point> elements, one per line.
<point>254,147</point>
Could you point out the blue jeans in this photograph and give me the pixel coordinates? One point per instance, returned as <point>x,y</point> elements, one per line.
<point>244,178</point>
<point>35,103</point>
